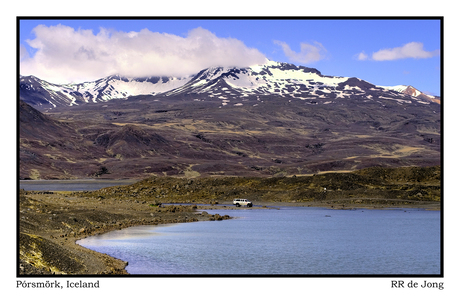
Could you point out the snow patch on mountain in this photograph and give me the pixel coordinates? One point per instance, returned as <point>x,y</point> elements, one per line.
<point>116,88</point>
<point>223,83</point>
<point>411,91</point>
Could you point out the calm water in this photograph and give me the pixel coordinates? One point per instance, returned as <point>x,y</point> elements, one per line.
<point>288,241</point>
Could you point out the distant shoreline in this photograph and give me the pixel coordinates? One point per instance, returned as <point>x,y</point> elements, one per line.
<point>50,222</point>
<point>339,204</point>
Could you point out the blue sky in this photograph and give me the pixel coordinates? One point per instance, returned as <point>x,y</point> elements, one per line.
<point>381,51</point>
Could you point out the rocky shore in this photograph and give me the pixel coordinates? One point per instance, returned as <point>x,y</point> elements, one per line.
<point>50,223</point>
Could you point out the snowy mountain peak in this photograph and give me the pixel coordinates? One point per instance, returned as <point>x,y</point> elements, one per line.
<point>224,84</point>
<point>412,91</point>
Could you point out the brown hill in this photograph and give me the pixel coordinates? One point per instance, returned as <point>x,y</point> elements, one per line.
<point>50,148</point>
<point>274,137</point>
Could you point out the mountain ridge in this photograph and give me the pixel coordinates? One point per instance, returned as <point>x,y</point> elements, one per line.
<point>262,121</point>
<point>225,83</point>
<point>412,91</point>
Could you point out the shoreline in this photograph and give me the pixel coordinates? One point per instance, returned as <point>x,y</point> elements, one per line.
<point>263,205</point>
<point>356,203</point>
<point>51,223</point>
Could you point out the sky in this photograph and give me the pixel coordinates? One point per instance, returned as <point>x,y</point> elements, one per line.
<point>384,52</point>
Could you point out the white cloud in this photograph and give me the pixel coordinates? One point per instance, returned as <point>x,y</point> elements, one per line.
<point>308,53</point>
<point>409,50</point>
<point>23,54</point>
<point>362,56</point>
<point>68,55</point>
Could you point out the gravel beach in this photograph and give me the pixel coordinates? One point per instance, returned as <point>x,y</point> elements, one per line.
<point>50,223</point>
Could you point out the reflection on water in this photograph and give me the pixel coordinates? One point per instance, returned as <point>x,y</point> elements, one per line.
<point>287,241</point>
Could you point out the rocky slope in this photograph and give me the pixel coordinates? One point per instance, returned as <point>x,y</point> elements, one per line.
<point>53,147</point>
<point>268,120</point>
<point>203,138</point>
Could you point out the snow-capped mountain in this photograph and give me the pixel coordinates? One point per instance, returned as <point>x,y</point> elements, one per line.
<point>116,87</point>
<point>273,78</point>
<point>43,94</point>
<point>39,92</point>
<point>226,84</point>
<point>264,120</point>
<point>410,90</point>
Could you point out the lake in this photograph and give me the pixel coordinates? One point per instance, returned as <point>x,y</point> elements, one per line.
<point>288,241</point>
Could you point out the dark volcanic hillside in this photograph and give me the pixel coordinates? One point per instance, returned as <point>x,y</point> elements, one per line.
<point>274,137</point>
<point>267,120</point>
<point>50,148</point>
